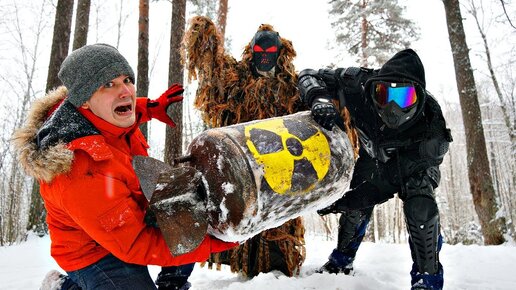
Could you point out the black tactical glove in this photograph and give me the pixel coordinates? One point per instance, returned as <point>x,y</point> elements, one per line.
<point>339,206</point>
<point>324,113</point>
<point>363,196</point>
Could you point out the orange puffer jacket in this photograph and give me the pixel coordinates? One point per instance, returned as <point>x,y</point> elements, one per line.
<point>92,196</point>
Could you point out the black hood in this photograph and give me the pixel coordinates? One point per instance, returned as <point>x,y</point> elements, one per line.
<point>404,66</point>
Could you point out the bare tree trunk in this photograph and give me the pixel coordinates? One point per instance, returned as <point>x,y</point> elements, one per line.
<point>173,137</point>
<point>222,17</point>
<point>376,225</point>
<point>13,206</point>
<point>503,104</point>
<point>14,191</point>
<point>142,88</point>
<point>60,41</point>
<point>481,182</point>
<point>452,191</point>
<point>82,20</point>
<point>188,127</point>
<point>59,51</point>
<point>364,37</point>
<point>37,213</point>
<point>122,18</point>
<point>120,23</point>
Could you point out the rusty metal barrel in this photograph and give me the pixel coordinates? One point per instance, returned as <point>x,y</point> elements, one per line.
<point>258,175</point>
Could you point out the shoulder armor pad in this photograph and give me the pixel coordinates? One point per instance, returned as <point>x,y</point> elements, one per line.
<point>351,71</point>
<point>328,76</point>
<point>307,72</point>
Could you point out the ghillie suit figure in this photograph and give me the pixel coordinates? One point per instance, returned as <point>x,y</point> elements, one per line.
<point>262,85</point>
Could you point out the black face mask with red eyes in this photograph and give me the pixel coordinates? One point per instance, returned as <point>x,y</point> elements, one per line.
<point>266,47</point>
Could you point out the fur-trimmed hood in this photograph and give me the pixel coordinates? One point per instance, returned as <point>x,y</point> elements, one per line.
<point>42,143</point>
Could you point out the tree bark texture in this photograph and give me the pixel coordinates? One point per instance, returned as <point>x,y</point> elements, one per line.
<point>364,37</point>
<point>37,212</point>
<point>59,51</point>
<point>82,22</point>
<point>222,17</point>
<point>481,183</point>
<point>60,41</point>
<point>504,105</point>
<point>173,137</point>
<point>142,84</point>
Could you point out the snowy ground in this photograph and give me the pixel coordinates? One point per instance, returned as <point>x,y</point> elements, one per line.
<point>378,266</point>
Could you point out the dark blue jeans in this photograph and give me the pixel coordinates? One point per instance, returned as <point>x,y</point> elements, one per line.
<point>110,273</point>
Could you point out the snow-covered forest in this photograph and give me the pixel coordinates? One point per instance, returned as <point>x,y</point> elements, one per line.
<point>26,33</point>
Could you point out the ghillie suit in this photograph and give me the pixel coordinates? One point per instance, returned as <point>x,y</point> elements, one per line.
<point>231,92</point>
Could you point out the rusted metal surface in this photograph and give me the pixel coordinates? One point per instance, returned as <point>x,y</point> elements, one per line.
<point>179,210</point>
<point>174,198</point>
<point>260,174</point>
<point>248,178</point>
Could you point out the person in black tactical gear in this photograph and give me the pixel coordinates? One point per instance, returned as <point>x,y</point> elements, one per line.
<point>403,139</point>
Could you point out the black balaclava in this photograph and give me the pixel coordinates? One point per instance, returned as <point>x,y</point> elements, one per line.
<point>265,47</point>
<point>404,67</point>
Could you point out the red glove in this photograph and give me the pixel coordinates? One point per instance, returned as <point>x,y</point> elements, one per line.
<point>157,109</point>
<point>202,252</point>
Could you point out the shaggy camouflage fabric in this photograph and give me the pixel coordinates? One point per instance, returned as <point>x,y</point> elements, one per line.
<point>228,93</point>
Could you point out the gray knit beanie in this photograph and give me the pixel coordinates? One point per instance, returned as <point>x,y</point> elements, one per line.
<point>88,68</point>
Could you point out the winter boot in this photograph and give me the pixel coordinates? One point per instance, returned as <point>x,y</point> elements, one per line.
<point>426,281</point>
<point>338,263</point>
<point>352,227</point>
<point>57,281</point>
<point>175,278</point>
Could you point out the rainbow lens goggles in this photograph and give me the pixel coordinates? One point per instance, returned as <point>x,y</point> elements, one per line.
<point>403,94</point>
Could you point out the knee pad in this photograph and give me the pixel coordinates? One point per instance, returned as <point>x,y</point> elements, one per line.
<point>420,209</point>
<point>422,218</point>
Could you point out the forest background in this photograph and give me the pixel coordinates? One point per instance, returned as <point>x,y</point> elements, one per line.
<point>472,77</point>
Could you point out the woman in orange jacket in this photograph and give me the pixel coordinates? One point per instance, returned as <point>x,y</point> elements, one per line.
<point>78,142</point>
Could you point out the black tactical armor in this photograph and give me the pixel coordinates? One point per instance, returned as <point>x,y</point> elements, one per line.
<point>399,153</point>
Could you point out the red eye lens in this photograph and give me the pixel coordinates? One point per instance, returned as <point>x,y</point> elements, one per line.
<point>272,49</point>
<point>257,48</point>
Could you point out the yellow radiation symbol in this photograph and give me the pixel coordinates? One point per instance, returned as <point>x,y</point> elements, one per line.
<point>293,160</point>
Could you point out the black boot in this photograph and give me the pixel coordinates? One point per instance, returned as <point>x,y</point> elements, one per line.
<point>175,278</point>
<point>338,263</point>
<point>425,280</point>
